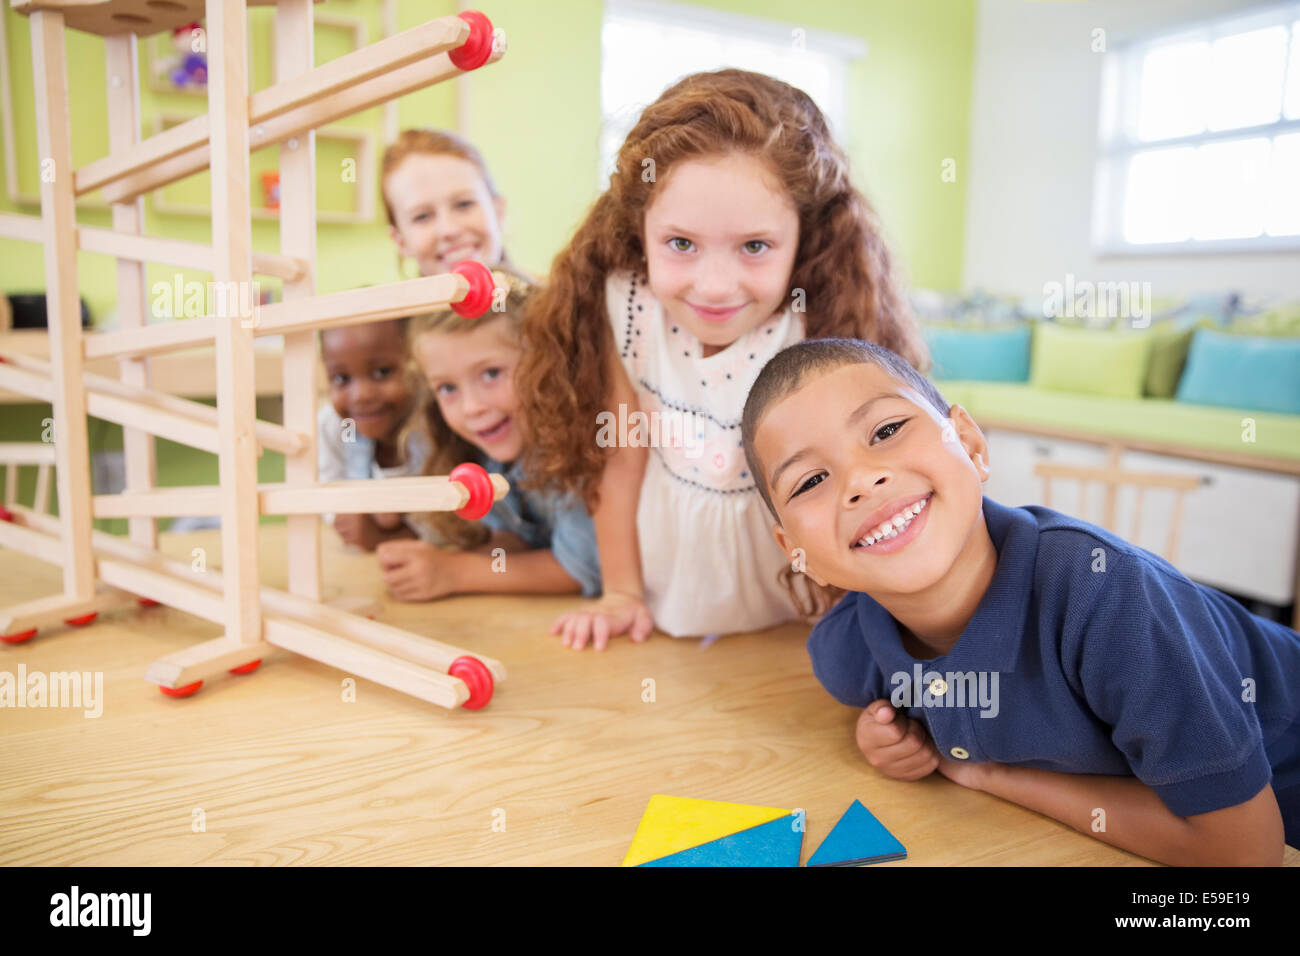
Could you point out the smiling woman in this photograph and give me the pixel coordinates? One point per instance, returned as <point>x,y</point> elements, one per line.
<point>441,202</point>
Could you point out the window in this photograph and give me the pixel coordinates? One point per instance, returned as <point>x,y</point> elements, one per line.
<point>647,46</point>
<point>1200,139</point>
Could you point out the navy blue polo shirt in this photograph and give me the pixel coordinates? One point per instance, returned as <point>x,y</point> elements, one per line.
<point>1133,670</point>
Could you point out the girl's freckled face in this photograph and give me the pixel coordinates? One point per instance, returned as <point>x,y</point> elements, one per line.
<point>471,377</point>
<point>444,213</point>
<point>851,442</point>
<point>720,238</point>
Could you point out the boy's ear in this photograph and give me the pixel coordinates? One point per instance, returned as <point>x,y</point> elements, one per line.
<point>790,548</point>
<point>972,439</point>
<point>782,542</point>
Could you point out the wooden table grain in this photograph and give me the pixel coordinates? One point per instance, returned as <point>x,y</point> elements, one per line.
<point>281,767</point>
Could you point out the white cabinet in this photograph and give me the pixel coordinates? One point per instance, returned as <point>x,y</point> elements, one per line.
<point>1239,529</point>
<point>1012,457</point>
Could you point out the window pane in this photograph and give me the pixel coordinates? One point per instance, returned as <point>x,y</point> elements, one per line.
<point>1293,75</point>
<point>1230,189</point>
<point>1160,188</point>
<point>1283,213</point>
<point>1173,91</point>
<point>642,56</point>
<point>1246,78</point>
<point>629,45</point>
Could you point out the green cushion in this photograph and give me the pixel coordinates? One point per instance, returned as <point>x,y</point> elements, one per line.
<point>1169,345</point>
<point>1152,419</point>
<point>1090,361</point>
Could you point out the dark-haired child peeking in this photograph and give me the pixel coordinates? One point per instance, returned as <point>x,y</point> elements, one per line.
<point>362,432</point>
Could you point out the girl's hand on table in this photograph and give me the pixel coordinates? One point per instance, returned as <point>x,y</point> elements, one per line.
<point>416,571</point>
<point>357,530</point>
<point>612,614</point>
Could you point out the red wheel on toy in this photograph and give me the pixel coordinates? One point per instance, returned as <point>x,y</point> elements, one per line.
<point>477,48</point>
<point>247,668</point>
<point>481,284</point>
<point>182,691</point>
<point>5,513</point>
<point>476,677</point>
<point>148,602</point>
<point>479,485</point>
<point>19,638</point>
<point>83,620</point>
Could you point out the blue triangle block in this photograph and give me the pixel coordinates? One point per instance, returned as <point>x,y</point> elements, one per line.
<point>858,838</point>
<point>772,844</point>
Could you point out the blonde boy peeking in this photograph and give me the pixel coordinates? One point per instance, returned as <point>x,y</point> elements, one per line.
<point>1121,685</point>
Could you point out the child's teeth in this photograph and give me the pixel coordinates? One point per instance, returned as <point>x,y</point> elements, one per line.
<point>893,526</point>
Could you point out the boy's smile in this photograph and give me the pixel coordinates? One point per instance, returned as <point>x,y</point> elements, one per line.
<point>882,493</point>
<point>892,527</point>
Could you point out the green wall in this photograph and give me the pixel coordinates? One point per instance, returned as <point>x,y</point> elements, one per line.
<point>536,118</point>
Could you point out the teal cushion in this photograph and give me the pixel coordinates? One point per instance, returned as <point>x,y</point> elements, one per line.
<point>980,355</point>
<point>1241,371</point>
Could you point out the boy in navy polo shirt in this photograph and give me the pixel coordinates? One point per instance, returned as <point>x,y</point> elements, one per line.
<point>1018,651</point>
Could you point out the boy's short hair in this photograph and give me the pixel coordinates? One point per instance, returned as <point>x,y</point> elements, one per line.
<point>790,368</point>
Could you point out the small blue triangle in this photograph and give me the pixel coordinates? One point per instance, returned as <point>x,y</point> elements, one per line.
<point>776,843</point>
<point>858,838</point>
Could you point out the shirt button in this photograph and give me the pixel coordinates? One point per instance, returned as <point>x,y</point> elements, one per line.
<point>959,753</point>
<point>938,687</point>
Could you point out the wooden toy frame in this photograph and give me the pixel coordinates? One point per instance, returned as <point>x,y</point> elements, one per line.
<point>102,571</point>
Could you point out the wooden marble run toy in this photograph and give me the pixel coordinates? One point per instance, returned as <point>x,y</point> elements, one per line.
<point>103,571</point>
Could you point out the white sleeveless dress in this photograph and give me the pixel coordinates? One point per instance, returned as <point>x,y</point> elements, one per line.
<point>708,557</point>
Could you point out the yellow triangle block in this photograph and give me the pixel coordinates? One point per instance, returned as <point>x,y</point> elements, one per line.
<point>673,824</point>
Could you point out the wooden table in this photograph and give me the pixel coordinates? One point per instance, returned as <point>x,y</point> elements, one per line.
<point>277,768</point>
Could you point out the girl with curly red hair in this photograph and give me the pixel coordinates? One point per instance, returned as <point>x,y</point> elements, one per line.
<point>730,229</point>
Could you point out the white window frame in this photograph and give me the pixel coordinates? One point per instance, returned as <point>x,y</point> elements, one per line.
<point>1118,142</point>
<point>838,50</point>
